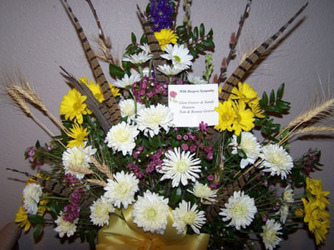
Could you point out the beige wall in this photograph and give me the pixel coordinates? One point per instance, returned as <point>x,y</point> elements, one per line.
<point>37,36</point>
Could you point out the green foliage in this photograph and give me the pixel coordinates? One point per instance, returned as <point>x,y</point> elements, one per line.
<point>196,40</point>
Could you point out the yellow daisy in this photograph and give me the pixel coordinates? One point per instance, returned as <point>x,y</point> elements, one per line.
<point>79,135</point>
<point>226,115</point>
<point>165,36</point>
<point>256,109</point>
<point>244,118</point>
<point>245,93</point>
<point>21,218</point>
<point>114,90</point>
<point>95,88</point>
<point>73,106</point>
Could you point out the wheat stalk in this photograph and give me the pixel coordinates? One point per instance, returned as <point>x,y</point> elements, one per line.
<point>102,167</point>
<point>97,182</point>
<point>315,129</point>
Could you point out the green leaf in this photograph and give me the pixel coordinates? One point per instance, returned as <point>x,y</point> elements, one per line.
<point>193,52</point>
<point>38,229</point>
<point>272,97</point>
<point>133,38</point>
<point>202,30</point>
<point>180,29</point>
<point>143,39</point>
<point>195,33</point>
<point>210,32</point>
<point>116,71</point>
<point>36,219</point>
<point>200,47</point>
<point>280,91</point>
<point>264,100</point>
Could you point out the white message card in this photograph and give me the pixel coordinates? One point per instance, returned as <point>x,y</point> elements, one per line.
<point>192,104</point>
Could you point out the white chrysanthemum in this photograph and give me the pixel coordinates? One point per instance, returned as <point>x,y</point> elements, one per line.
<point>121,137</point>
<point>139,58</point>
<point>270,234</point>
<point>99,212</point>
<point>195,79</point>
<point>168,70</point>
<point>186,215</point>
<point>65,227</point>
<point>179,55</point>
<point>127,81</point>
<point>128,108</point>
<point>151,119</point>
<point>204,192</point>
<point>240,209</point>
<point>276,160</point>
<point>180,167</point>
<point>249,145</point>
<point>288,195</point>
<point>31,194</point>
<point>121,190</point>
<point>283,211</point>
<point>77,158</point>
<point>150,212</point>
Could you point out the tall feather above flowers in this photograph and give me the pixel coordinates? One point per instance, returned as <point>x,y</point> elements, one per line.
<point>248,63</point>
<point>111,111</point>
<point>154,47</point>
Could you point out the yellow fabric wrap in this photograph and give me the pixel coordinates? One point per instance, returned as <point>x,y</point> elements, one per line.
<point>125,235</point>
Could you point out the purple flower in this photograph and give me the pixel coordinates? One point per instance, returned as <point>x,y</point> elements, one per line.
<point>193,148</point>
<point>203,126</point>
<point>210,177</point>
<point>161,14</point>
<point>179,137</point>
<point>185,137</point>
<point>184,147</point>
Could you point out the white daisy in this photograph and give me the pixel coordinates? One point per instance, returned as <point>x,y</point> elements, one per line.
<point>99,212</point>
<point>249,145</point>
<point>180,167</point>
<point>150,212</point>
<point>283,211</point>
<point>151,119</point>
<point>65,227</point>
<point>168,70</point>
<point>145,48</point>
<point>276,160</point>
<point>179,55</point>
<point>288,195</point>
<point>139,58</point>
<point>204,192</point>
<point>240,209</point>
<point>195,79</point>
<point>31,195</point>
<point>121,137</point>
<point>76,158</point>
<point>270,234</point>
<point>127,81</point>
<point>128,108</point>
<point>186,215</point>
<point>121,190</point>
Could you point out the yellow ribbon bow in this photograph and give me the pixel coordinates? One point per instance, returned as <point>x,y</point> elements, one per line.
<point>125,235</point>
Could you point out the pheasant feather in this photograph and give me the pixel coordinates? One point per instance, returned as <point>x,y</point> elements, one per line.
<point>154,47</point>
<point>246,65</point>
<point>111,112</point>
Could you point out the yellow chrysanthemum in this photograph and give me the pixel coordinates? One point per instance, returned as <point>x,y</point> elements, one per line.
<point>320,233</point>
<point>114,90</point>
<point>226,115</point>
<point>79,135</point>
<point>245,93</point>
<point>314,187</point>
<point>315,216</point>
<point>244,118</point>
<point>256,109</point>
<point>299,212</point>
<point>21,218</point>
<point>95,88</point>
<point>73,106</point>
<point>165,36</point>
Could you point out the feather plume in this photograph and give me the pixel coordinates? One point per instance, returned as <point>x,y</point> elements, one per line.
<point>96,107</point>
<point>111,111</point>
<point>246,65</point>
<point>154,47</point>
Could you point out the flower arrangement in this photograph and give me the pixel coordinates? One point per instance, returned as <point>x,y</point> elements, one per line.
<point>122,172</point>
